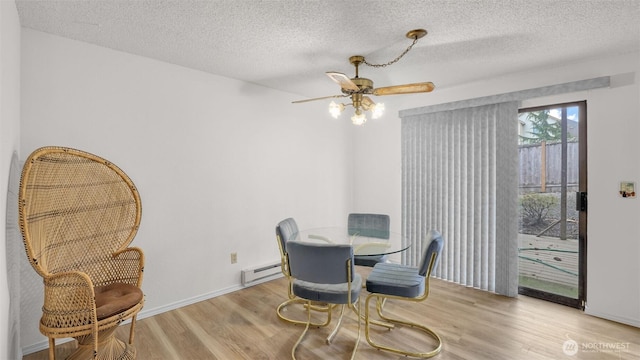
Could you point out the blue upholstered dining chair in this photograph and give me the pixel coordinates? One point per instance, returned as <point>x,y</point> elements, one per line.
<point>370,225</point>
<point>401,282</point>
<point>324,273</point>
<point>286,230</point>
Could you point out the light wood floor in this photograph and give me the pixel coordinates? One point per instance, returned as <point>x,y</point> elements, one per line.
<point>473,325</point>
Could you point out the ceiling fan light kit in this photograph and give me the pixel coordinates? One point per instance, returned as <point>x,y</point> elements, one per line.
<point>357,88</point>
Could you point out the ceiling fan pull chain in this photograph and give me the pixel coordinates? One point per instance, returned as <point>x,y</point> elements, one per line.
<point>415,40</point>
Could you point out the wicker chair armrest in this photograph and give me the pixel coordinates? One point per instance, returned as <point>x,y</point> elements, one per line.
<point>69,299</point>
<point>125,266</point>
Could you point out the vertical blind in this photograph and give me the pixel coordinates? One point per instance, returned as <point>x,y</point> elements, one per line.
<point>459,176</point>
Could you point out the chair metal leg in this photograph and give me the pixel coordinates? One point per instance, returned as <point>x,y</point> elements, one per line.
<point>283,307</point>
<point>353,353</point>
<point>327,308</point>
<point>295,346</point>
<point>335,330</point>
<point>308,324</point>
<point>380,299</point>
<point>373,321</point>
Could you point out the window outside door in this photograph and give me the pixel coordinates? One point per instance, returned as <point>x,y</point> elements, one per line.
<point>552,203</point>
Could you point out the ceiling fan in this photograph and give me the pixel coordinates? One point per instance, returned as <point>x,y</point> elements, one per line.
<point>357,88</point>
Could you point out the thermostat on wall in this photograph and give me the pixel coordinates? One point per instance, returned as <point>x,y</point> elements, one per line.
<point>628,189</point>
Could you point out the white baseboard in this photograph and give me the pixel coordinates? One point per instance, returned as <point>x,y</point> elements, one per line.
<point>619,319</point>
<point>41,345</point>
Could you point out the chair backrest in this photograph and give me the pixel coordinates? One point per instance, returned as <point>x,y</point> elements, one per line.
<point>371,225</point>
<point>321,263</point>
<point>286,230</point>
<point>431,245</point>
<point>75,208</point>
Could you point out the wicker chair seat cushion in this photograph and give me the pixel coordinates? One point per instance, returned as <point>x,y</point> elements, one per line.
<point>115,298</point>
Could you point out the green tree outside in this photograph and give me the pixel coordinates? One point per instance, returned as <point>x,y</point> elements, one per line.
<point>542,129</point>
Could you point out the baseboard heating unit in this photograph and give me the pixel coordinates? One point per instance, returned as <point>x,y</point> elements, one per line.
<point>256,273</point>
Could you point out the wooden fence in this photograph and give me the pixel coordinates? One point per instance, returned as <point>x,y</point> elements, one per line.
<point>541,167</point>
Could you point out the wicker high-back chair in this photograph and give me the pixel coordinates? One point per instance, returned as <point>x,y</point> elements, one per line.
<point>78,215</point>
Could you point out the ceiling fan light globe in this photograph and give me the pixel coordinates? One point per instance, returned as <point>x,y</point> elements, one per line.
<point>358,119</point>
<point>377,111</point>
<point>335,109</point>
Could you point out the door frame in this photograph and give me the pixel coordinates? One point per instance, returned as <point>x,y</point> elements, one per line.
<point>578,303</point>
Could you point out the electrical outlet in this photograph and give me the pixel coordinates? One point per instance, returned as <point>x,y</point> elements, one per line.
<point>234,258</point>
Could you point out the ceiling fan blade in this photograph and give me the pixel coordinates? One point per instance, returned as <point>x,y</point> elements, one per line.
<point>320,98</point>
<point>343,80</point>
<point>404,89</point>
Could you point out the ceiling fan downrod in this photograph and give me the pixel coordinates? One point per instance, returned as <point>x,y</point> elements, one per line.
<point>356,60</point>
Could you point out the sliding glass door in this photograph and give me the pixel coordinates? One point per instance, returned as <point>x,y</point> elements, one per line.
<point>552,203</point>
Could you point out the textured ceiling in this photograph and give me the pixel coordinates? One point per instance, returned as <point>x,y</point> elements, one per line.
<point>290,44</point>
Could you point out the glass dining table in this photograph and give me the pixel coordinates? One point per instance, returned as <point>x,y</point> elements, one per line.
<point>365,243</point>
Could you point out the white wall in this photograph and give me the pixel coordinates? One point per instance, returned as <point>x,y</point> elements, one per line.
<point>218,162</point>
<point>9,143</point>
<point>613,279</point>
